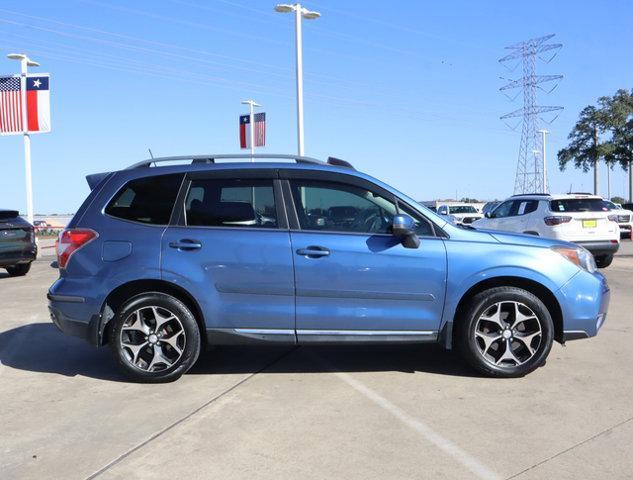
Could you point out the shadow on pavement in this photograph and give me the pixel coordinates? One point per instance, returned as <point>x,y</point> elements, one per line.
<point>40,347</point>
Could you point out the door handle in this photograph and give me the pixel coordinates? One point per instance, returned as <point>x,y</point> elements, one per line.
<point>313,252</point>
<point>186,244</point>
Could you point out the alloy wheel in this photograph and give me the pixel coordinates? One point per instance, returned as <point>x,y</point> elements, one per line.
<point>152,339</point>
<point>508,334</point>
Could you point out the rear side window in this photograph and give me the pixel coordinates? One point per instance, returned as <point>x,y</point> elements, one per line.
<point>146,200</point>
<point>526,206</point>
<point>578,205</point>
<point>231,202</point>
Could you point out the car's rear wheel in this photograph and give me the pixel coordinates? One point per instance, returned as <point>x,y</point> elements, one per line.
<point>506,332</point>
<point>19,270</point>
<point>603,261</point>
<point>155,338</point>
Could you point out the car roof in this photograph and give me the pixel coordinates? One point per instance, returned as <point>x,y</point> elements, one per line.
<point>555,196</point>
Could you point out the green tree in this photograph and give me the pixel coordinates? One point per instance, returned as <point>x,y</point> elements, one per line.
<point>586,148</point>
<point>620,112</point>
<point>619,200</point>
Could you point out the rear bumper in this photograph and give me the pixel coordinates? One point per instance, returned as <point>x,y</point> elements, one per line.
<point>8,259</point>
<point>585,303</point>
<point>74,314</point>
<point>601,247</point>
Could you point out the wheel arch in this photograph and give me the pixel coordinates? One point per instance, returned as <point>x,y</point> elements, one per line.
<point>541,291</point>
<point>127,290</point>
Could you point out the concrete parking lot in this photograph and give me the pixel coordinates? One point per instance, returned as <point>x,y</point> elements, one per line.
<point>352,412</point>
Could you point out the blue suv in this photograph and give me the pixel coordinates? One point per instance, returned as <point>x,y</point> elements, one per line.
<point>176,254</point>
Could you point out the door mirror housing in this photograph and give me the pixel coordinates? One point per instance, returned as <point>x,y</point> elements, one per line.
<point>488,215</point>
<point>403,227</point>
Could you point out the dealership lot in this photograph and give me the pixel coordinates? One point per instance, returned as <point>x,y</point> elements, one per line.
<point>354,412</point>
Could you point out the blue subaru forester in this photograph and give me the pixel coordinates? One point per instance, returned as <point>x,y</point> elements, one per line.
<point>176,254</point>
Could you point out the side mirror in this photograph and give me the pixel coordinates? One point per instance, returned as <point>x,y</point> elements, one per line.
<point>488,215</point>
<point>403,227</point>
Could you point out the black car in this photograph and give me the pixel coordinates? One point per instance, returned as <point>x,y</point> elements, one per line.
<point>17,243</point>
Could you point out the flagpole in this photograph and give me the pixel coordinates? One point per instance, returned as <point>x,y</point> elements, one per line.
<point>27,144</point>
<point>25,62</point>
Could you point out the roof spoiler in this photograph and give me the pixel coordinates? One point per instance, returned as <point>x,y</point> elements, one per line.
<point>96,178</point>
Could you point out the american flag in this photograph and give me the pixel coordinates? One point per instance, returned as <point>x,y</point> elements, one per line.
<point>260,130</point>
<point>10,105</point>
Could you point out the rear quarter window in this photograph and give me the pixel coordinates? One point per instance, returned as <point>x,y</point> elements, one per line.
<point>146,200</point>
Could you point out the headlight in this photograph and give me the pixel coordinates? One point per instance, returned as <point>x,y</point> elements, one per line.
<point>579,256</point>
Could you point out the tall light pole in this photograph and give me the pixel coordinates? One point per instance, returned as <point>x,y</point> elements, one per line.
<point>251,105</point>
<point>26,62</point>
<point>545,187</point>
<point>300,12</point>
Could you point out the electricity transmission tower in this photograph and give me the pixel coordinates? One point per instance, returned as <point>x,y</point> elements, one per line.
<point>530,177</point>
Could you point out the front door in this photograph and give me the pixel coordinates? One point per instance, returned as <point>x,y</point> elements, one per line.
<point>355,280</point>
<point>231,251</point>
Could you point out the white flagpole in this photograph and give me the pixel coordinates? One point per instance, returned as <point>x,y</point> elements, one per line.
<point>26,62</point>
<point>252,104</point>
<point>27,144</point>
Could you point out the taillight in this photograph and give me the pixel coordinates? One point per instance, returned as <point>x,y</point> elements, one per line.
<point>552,221</point>
<point>70,241</point>
<point>613,218</point>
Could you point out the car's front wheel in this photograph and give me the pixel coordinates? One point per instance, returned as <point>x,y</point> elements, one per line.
<point>506,332</point>
<point>155,338</point>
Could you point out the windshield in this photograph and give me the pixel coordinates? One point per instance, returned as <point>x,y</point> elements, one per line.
<point>578,205</point>
<point>462,209</point>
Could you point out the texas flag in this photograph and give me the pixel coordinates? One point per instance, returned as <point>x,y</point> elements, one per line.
<point>38,103</point>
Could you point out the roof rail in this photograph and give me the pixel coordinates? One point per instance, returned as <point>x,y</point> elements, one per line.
<point>531,195</point>
<point>211,158</point>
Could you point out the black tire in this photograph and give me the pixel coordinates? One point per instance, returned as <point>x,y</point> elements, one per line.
<point>603,261</point>
<point>186,324</point>
<point>19,270</point>
<point>470,346</point>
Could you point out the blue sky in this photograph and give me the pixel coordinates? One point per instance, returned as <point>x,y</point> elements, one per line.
<point>405,90</point>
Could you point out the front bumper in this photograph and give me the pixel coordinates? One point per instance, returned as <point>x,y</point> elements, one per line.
<point>600,247</point>
<point>585,303</point>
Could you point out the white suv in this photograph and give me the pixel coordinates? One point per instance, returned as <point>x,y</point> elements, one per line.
<point>460,214</point>
<point>579,218</point>
<point>624,218</point>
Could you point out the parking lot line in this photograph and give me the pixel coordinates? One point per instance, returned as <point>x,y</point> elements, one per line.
<point>186,417</point>
<point>467,460</point>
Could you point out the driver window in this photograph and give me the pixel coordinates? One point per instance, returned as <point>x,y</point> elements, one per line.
<point>231,203</point>
<point>338,207</point>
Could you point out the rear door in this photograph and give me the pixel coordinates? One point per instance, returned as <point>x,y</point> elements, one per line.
<point>230,248</point>
<point>354,280</point>
<point>589,219</point>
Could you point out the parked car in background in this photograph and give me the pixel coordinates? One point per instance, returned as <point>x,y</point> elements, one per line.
<point>622,216</point>
<point>161,261</point>
<point>489,207</point>
<point>579,218</point>
<point>17,243</point>
<point>460,214</point>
